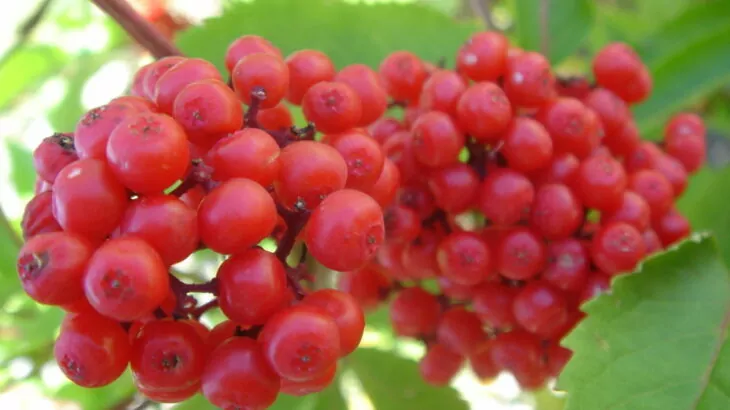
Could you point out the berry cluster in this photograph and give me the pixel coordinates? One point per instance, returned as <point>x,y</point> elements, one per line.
<point>521,194</point>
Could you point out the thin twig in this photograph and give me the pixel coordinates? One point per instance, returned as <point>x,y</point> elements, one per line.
<point>483,9</point>
<point>141,30</point>
<point>544,27</point>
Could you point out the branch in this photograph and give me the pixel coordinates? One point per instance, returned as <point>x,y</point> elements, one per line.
<point>544,27</point>
<point>141,30</point>
<point>483,9</point>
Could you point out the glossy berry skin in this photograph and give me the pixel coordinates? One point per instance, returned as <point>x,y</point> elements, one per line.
<point>52,155</point>
<point>276,118</point>
<point>568,124</point>
<point>527,145</point>
<point>556,212</point>
<point>611,110</point>
<point>480,361</point>
<point>88,200</point>
<point>166,223</point>
<point>38,216</point>
<point>671,227</point>
<point>690,149</point>
<point>419,256</point>
<point>517,351</point>
<point>493,304</point>
<point>148,152</point>
<point>235,204</point>
<point>246,45</point>
<point>484,112</point>
<point>439,365</point>
<point>455,291</point>
<point>307,387</point>
<point>174,80</point>
<point>399,149</point>
<point>483,57</point>
<point>437,141</point>
<point>126,279</point>
<point>207,109</point>
<point>386,187</point>
<point>624,142</point>
<point>528,81</point>
<point>51,267</point>
<point>442,91</point>
<point>332,107</point>
<point>301,342</point>
<point>168,356</point>
<point>568,265</point>
<point>261,72</point>
<point>460,330</point>
<point>674,172</point>
<point>93,129</point>
<point>618,68</point>
<point>540,309</point>
<point>251,286</point>
<point>634,209</point>
<point>464,258</point>
<point>367,285</point>
<point>309,172</point>
<point>414,313</point>
<point>454,188</point>
<point>142,104</point>
<point>644,156</point>
<point>237,375</point>
<point>402,224</point>
<point>156,70</point>
<point>91,350</point>
<point>345,311</point>
<point>248,153</point>
<point>562,170</point>
<point>345,230</point>
<point>617,248</point>
<point>384,127</point>
<point>369,87</point>
<point>521,254</point>
<point>654,188</point>
<point>403,74</point>
<point>307,68</point>
<point>600,183</point>
<point>506,197</point>
<point>363,156</point>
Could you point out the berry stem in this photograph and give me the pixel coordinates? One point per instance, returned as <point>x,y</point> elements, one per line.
<point>141,30</point>
<point>197,312</point>
<point>477,157</point>
<point>181,288</point>
<point>257,96</point>
<point>295,222</point>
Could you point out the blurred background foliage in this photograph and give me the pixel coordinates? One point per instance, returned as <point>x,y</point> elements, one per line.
<point>59,58</point>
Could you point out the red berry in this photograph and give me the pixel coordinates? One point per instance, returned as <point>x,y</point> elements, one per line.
<point>528,80</point>
<point>249,153</point>
<point>403,74</point>
<point>238,375</point>
<point>262,74</point>
<point>527,145</point>
<point>345,311</point>
<point>309,172</point>
<point>437,141</point>
<point>493,304</point>
<point>556,212</point>
<point>38,216</point>
<point>386,187</point>
<point>332,107</point>
<point>439,365</point>
<point>246,45</point>
<point>91,350</point>
<point>521,255</point>
<point>363,156</point>
<point>369,87</point>
<point>481,362</point>
<point>568,265</point>
<point>652,242</point>
<point>643,157</point>
<point>561,170</point>
<point>156,70</point>
<point>309,386</point>
<point>207,110</point>
<point>174,80</point>
<point>634,210</point>
<point>674,172</point>
<point>598,283</point>
<point>88,200</point>
<point>383,128</point>
<point>148,152</point>
<point>557,357</point>
<point>367,285</point>
<point>137,86</point>
<point>307,68</point>
<point>276,118</point>
<point>142,104</point>
<point>484,56</point>
<point>567,121</point>
<point>93,129</point>
<point>517,351</point>
<point>251,286</point>
<point>611,110</point>
<point>454,187</point>
<point>654,188</point>
<point>53,154</point>
<point>464,258</point>
<point>419,256</point>
<point>624,142</point>
<point>506,197</point>
<point>442,91</point>
<point>540,309</point>
<point>402,224</point>
<point>671,227</point>
<point>456,291</point>
<point>399,149</point>
<point>618,68</point>
<point>600,183</point>
<point>460,330</point>
<point>301,342</point>
<point>484,112</point>
<point>617,248</point>
<point>414,313</point>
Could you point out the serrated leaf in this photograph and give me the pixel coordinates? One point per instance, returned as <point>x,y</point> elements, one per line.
<point>394,383</point>
<point>26,68</point>
<point>348,33</point>
<point>22,173</point>
<point>659,340</point>
<point>568,25</point>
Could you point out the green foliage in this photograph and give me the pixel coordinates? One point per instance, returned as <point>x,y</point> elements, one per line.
<point>568,26</point>
<point>22,172</point>
<point>659,339</point>
<point>26,68</point>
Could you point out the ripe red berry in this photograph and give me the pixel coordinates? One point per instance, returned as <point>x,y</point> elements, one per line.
<point>367,285</point>
<point>644,156</point>
<point>455,187</point>
<point>301,342</point>
<point>386,187</point>
<point>251,286</point>
<point>484,56</point>
<point>363,156</point>
<point>207,110</point>
<point>383,128</point>
<point>246,45</point>
<point>264,74</point>
<point>617,248</point>
<point>93,129</point>
<point>568,265</point>
<point>688,147</point>
<point>521,254</point>
<point>174,80</point>
<point>456,291</point>
<point>415,313</point>
<point>307,68</point>
<point>309,386</point>
<point>652,242</point>
<point>332,107</point>
<point>460,330</point>
<point>506,197</point>
<point>419,256</point>
<point>126,279</point>
<point>91,350</point>
<point>402,224</point>
<point>439,365</point>
<point>674,172</point>
<point>484,112</point>
<point>685,124</point>
<point>529,81</point>
<point>236,215</point>
<point>237,375</point>
<point>634,209</point>
<point>540,309</point>
<point>437,141</point>
<point>403,74</point>
<point>166,223</point>
<point>345,311</point>
<point>654,188</point>
<point>442,91</point>
<point>369,87</point>
<point>53,154</point>
<point>517,351</point>
<point>556,212</point>
<point>399,149</point>
<point>249,153</point>
<point>148,152</point>
<point>600,183</point>
<point>276,118</point>
<point>345,230</point>
<point>611,110</point>
<point>527,145</point>
<point>625,141</point>
<point>561,170</point>
<point>156,70</point>
<point>38,216</point>
<point>567,121</point>
<point>480,361</point>
<point>671,227</point>
<point>88,200</point>
<point>142,104</point>
<point>493,304</point>
<point>618,68</point>
<point>464,258</point>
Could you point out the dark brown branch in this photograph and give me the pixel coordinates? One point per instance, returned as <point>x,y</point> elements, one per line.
<point>141,30</point>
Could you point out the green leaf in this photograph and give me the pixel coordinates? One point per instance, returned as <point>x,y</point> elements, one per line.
<point>21,172</point>
<point>102,398</point>
<point>659,340</point>
<point>394,383</point>
<point>688,58</point>
<point>569,22</point>
<point>348,33</point>
<point>633,22</point>
<point>26,68</point>
<point>10,244</point>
